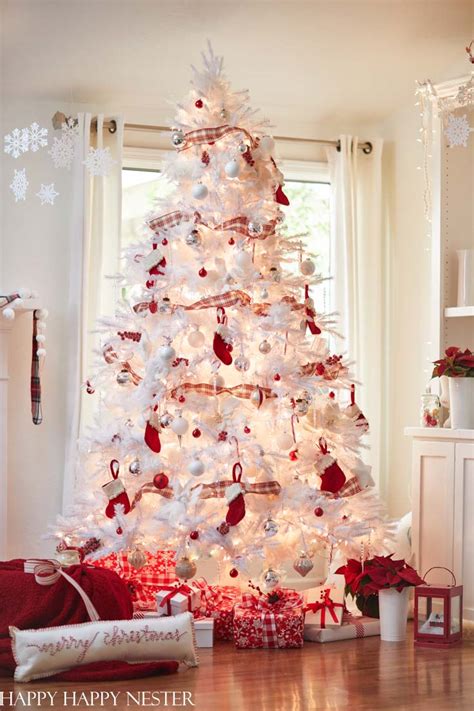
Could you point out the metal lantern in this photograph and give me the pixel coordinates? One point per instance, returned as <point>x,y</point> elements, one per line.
<point>438,614</point>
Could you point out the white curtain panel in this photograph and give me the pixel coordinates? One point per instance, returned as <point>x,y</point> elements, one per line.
<point>358,255</point>
<point>94,242</point>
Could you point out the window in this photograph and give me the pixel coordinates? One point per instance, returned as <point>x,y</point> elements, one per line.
<point>306,185</point>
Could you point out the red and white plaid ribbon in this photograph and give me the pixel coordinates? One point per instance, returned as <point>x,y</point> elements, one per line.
<point>349,619</point>
<point>48,572</point>
<point>290,600</point>
<point>35,382</point>
<point>241,225</point>
<point>110,356</point>
<point>244,390</point>
<point>150,488</point>
<point>171,219</point>
<point>350,488</point>
<point>211,135</point>
<point>218,488</point>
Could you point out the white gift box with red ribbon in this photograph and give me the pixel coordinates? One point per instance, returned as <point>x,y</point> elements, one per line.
<point>174,599</point>
<point>324,606</point>
<point>353,627</point>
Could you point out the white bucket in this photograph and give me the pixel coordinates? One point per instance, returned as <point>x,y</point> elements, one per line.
<point>393,607</point>
<point>461,398</point>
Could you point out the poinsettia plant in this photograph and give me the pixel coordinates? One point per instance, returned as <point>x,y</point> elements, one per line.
<point>378,573</point>
<point>455,364</point>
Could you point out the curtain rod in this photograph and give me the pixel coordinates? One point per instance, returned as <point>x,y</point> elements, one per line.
<point>59,118</point>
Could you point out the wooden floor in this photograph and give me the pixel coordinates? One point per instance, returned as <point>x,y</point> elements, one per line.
<point>361,674</point>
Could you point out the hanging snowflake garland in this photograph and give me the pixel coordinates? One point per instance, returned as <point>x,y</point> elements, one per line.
<point>99,162</point>
<point>47,194</point>
<point>457,130</point>
<point>37,137</point>
<point>16,142</point>
<point>19,185</point>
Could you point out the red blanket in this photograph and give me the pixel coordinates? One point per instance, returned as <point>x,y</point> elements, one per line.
<point>27,605</point>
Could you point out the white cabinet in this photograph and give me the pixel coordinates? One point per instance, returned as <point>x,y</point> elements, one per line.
<point>443,505</point>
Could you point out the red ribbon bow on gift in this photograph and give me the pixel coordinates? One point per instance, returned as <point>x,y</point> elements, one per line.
<point>326,604</point>
<point>215,596</point>
<point>173,591</point>
<point>289,600</point>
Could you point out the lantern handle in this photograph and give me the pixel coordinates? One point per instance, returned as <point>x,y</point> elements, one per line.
<point>440,567</point>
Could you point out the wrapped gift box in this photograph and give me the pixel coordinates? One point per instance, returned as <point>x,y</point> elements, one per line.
<point>173,599</point>
<point>144,583</point>
<point>204,631</point>
<point>324,606</point>
<point>218,601</point>
<point>353,627</point>
<point>260,623</point>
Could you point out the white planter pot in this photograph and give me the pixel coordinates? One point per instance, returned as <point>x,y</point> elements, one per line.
<point>461,398</point>
<point>393,607</point>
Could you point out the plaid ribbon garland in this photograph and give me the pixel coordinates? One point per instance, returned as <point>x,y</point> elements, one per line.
<point>244,390</point>
<point>218,488</point>
<point>171,219</point>
<point>350,488</point>
<point>268,611</point>
<point>110,356</point>
<point>238,224</point>
<point>150,488</point>
<point>211,135</point>
<point>35,382</point>
<point>241,225</point>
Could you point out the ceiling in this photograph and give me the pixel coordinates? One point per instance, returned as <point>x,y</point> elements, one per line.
<point>306,63</point>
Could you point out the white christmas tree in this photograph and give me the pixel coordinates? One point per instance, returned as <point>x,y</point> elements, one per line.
<point>225,422</point>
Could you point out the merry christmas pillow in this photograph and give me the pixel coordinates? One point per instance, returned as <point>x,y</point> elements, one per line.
<point>44,652</point>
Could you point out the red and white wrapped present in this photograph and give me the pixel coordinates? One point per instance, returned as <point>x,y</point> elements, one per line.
<point>218,601</point>
<point>144,583</point>
<point>173,599</point>
<point>203,627</point>
<point>325,605</point>
<point>353,627</point>
<point>260,623</point>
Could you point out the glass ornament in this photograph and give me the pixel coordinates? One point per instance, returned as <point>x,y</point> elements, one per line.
<point>185,568</point>
<point>123,377</point>
<point>265,347</point>
<point>135,467</point>
<point>199,191</point>
<point>242,364</point>
<point>307,267</point>
<point>271,578</point>
<point>137,559</point>
<point>254,229</point>
<point>177,137</point>
<point>270,528</point>
<point>196,338</point>
<point>193,239</point>
<point>232,169</point>
<point>196,467</point>
<point>303,564</point>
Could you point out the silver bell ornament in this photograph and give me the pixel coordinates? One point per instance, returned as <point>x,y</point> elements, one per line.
<point>271,578</point>
<point>177,137</point>
<point>185,568</point>
<point>135,467</point>
<point>166,419</point>
<point>307,267</point>
<point>265,347</point>
<point>254,229</point>
<point>193,238</point>
<point>241,363</point>
<point>270,528</point>
<point>123,377</point>
<point>303,565</point>
<point>137,559</point>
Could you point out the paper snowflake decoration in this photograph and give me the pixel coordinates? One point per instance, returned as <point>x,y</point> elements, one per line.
<point>37,137</point>
<point>16,142</point>
<point>70,131</point>
<point>62,153</point>
<point>457,130</point>
<point>19,185</point>
<point>99,161</point>
<point>47,194</point>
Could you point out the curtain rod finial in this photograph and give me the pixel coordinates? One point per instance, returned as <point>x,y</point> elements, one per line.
<point>58,119</point>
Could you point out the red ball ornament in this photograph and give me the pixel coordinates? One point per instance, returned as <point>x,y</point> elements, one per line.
<point>247,430</point>
<point>197,432</point>
<point>153,307</point>
<point>203,272</point>
<point>181,398</point>
<point>318,511</point>
<point>160,480</point>
<point>199,103</point>
<point>277,377</point>
<point>332,395</point>
<point>293,455</point>
<point>194,535</point>
<point>164,241</point>
<point>119,531</point>
<point>222,436</point>
<point>233,572</point>
<point>231,241</point>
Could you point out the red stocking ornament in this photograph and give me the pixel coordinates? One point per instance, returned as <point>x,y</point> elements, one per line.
<point>152,432</point>
<point>235,497</point>
<point>280,196</point>
<point>155,264</point>
<point>115,492</point>
<point>310,312</point>
<point>222,346</point>
<point>332,478</point>
<point>354,412</point>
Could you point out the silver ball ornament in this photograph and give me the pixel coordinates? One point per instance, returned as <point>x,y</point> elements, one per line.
<point>193,238</point>
<point>177,137</point>
<point>303,565</point>
<point>135,467</point>
<point>123,377</point>
<point>242,364</point>
<point>137,559</point>
<point>242,147</point>
<point>166,419</point>
<point>307,267</point>
<point>271,578</point>
<point>254,229</point>
<point>270,528</point>
<point>185,568</point>
<point>265,347</point>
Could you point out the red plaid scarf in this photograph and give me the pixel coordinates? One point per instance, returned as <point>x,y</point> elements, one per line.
<point>211,135</point>
<point>35,382</point>
<point>268,611</point>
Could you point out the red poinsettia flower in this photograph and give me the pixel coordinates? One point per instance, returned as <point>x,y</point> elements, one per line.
<point>451,351</point>
<point>410,575</point>
<point>351,571</point>
<point>455,364</point>
<point>378,573</point>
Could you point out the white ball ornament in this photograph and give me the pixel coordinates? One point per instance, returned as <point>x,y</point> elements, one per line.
<point>8,314</point>
<point>40,338</point>
<point>24,293</point>
<point>284,441</point>
<point>196,467</point>
<point>41,352</point>
<point>41,325</point>
<point>179,426</point>
<point>232,169</point>
<point>199,191</point>
<point>243,259</point>
<point>43,313</point>
<point>196,338</point>
<point>167,353</point>
<point>266,144</point>
<point>307,267</point>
